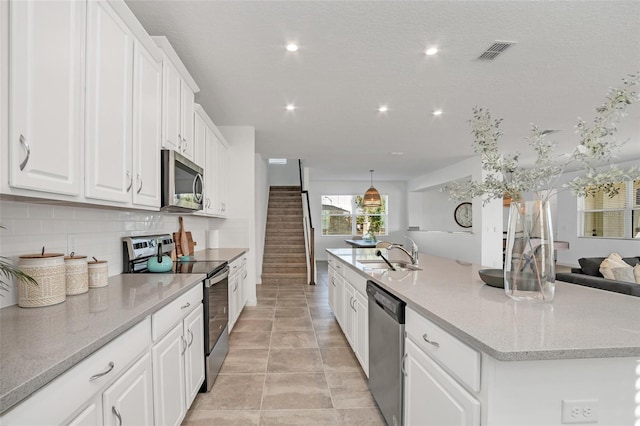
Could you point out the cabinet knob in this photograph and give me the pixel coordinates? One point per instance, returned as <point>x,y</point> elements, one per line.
<point>185,306</point>
<point>130,178</point>
<point>139,183</point>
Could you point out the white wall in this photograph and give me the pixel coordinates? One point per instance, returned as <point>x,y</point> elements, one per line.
<point>483,245</point>
<point>86,230</point>
<point>567,230</point>
<point>284,174</point>
<point>397,219</point>
<point>239,229</point>
<point>262,201</point>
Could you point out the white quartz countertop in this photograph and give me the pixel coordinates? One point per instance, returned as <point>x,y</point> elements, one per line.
<point>39,344</point>
<point>580,322</point>
<point>222,254</point>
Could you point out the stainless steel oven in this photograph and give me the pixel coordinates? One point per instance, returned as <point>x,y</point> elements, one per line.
<point>216,330</point>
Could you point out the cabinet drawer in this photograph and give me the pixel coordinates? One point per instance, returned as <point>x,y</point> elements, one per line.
<point>339,267</point>
<point>358,282</point>
<point>166,317</point>
<point>455,356</point>
<point>59,399</point>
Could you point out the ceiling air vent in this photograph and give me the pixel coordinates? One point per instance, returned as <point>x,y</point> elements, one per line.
<point>495,49</point>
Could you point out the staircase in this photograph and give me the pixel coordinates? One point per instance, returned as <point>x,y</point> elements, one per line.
<point>284,260</point>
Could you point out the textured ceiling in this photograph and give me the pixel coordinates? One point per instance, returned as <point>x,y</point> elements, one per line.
<point>356,55</point>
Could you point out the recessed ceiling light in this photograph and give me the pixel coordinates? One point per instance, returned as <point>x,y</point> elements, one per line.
<point>431,51</point>
<point>290,107</point>
<point>397,153</point>
<point>437,112</point>
<point>292,47</point>
<point>383,108</point>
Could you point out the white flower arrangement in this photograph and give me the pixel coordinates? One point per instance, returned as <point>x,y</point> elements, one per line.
<point>597,146</point>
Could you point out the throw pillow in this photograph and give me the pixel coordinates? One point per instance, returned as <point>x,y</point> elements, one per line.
<point>623,274</point>
<point>591,265</point>
<point>636,273</point>
<point>606,269</point>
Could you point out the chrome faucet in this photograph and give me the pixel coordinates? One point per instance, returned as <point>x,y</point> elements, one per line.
<point>413,255</point>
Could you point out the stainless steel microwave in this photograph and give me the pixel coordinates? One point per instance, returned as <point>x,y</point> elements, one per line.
<point>182,183</point>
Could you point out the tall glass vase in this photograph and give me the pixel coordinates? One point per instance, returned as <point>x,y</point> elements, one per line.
<point>529,271</point>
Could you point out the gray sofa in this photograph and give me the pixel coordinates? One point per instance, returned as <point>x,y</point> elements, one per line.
<point>589,275</point>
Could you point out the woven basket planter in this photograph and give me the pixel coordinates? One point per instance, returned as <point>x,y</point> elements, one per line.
<point>49,272</point>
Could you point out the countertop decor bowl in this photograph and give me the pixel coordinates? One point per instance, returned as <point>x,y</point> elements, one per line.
<point>492,277</point>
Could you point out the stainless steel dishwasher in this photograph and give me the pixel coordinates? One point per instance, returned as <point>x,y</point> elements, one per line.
<point>386,347</point>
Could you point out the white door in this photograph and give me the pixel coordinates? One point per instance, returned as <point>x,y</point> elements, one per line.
<point>200,142</point>
<point>194,356</point>
<point>171,86</point>
<point>147,127</point>
<point>109,175</point>
<point>432,397</point>
<point>361,332</point>
<point>187,100</point>
<point>168,378</point>
<point>129,400</point>
<point>349,312</point>
<point>46,82</point>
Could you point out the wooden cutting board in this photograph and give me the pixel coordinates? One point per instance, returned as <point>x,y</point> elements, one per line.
<point>184,243</point>
<point>190,243</point>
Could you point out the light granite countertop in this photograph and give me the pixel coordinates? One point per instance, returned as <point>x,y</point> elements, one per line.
<point>39,344</point>
<point>580,322</point>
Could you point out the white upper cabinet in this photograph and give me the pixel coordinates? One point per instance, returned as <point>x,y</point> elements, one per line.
<point>46,96</point>
<point>200,137</point>
<point>178,101</point>
<point>124,112</point>
<point>109,105</point>
<point>147,126</point>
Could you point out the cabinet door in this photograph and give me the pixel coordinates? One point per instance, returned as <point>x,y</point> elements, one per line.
<point>361,330</point>
<point>109,175</point>
<point>332,289</point>
<point>194,356</point>
<point>349,312</point>
<point>200,142</point>
<point>46,95</point>
<point>233,299</point>
<point>168,378</point>
<point>433,397</point>
<point>223,167</point>
<point>211,173</point>
<point>187,100</point>
<point>339,299</point>
<point>147,126</point>
<point>171,86</point>
<point>129,400</point>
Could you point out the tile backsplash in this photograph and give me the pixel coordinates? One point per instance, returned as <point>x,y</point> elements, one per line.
<point>87,231</point>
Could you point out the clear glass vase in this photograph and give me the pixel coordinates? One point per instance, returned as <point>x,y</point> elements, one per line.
<point>529,270</point>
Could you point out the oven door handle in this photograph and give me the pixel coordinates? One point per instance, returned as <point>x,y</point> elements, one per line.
<point>217,278</point>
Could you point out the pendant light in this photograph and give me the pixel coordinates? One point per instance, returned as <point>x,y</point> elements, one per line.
<point>372,196</point>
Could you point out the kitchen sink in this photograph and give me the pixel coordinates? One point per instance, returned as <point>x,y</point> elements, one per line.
<point>378,264</point>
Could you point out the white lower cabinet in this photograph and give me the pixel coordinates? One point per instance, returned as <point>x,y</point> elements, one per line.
<point>178,359</point>
<point>90,416</point>
<point>350,305</point>
<point>130,399</point>
<point>237,278</point>
<point>431,396</point>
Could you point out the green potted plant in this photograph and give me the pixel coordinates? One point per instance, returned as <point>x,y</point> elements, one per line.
<point>9,272</point>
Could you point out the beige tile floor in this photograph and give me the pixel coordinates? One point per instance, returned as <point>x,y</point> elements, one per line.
<point>288,364</point>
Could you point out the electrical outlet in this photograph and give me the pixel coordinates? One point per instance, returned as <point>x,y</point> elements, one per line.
<point>580,411</point>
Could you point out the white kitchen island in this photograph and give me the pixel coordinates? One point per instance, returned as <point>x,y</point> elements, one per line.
<point>501,362</point>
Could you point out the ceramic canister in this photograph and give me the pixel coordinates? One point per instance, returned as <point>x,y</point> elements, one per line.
<point>49,272</point>
<point>77,274</point>
<point>98,273</point>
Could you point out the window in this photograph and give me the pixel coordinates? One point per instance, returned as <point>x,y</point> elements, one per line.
<point>613,217</point>
<point>344,215</point>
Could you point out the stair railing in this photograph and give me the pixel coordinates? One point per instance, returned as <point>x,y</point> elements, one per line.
<point>309,231</point>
